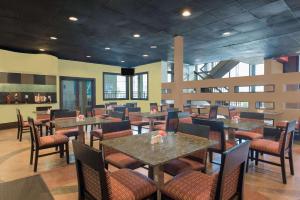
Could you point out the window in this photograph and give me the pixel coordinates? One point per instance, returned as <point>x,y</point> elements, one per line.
<point>292,87</point>
<point>139,86</point>
<point>292,106</point>
<point>222,103</point>
<point>254,88</point>
<point>188,72</point>
<point>214,90</point>
<point>189,90</point>
<point>170,72</point>
<point>239,104</point>
<point>244,69</point>
<point>264,105</point>
<point>115,86</point>
<point>166,91</point>
<point>198,102</point>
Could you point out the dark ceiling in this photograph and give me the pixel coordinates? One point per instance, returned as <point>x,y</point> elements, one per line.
<point>260,28</point>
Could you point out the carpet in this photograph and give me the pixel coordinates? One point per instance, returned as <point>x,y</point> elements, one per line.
<point>29,188</point>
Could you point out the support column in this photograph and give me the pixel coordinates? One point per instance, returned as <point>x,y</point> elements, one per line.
<point>178,71</point>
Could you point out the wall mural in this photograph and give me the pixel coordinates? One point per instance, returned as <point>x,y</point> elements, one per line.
<point>17,88</point>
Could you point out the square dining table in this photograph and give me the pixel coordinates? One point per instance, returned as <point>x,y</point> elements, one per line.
<point>72,122</point>
<point>172,146</point>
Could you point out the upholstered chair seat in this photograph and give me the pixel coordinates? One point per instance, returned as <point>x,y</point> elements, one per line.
<point>248,135</point>
<point>53,141</point>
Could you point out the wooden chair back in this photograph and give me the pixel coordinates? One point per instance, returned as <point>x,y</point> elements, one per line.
<point>231,177</point>
<point>172,121</point>
<point>35,137</point>
<point>91,175</point>
<point>287,137</point>
<point>213,112</point>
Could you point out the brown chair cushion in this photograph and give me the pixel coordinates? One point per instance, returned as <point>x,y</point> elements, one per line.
<point>69,132</point>
<point>113,119</point>
<point>53,140</point>
<point>264,145</point>
<point>248,135</point>
<point>180,165</point>
<point>121,160</point>
<point>130,185</point>
<point>191,185</point>
<point>186,120</point>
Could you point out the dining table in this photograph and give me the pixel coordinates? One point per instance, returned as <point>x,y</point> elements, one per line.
<point>74,122</point>
<point>152,116</point>
<point>171,146</point>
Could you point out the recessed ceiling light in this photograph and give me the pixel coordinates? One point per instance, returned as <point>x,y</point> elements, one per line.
<point>145,55</point>
<point>53,38</point>
<point>122,61</point>
<point>88,56</point>
<point>226,34</point>
<point>136,35</point>
<point>42,49</point>
<point>153,47</point>
<point>74,19</point>
<point>107,48</point>
<point>186,13</point>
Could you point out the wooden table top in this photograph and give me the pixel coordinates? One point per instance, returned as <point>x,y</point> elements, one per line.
<point>172,147</point>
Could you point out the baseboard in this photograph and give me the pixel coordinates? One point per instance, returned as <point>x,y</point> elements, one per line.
<point>8,125</point>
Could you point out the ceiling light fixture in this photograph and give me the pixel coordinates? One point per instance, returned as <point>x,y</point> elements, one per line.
<point>88,56</point>
<point>145,55</point>
<point>122,61</point>
<point>107,48</point>
<point>153,47</point>
<point>42,49</point>
<point>136,35</point>
<point>74,19</point>
<point>53,38</point>
<point>186,13</point>
<point>226,34</point>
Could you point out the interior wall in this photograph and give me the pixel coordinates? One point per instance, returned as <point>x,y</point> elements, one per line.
<point>50,65</point>
<point>272,76</point>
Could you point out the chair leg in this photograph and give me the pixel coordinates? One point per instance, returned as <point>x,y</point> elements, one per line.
<point>291,162</point>
<point>36,160</point>
<point>21,134</point>
<point>252,155</point>
<point>91,141</point>
<point>106,165</point>
<point>282,162</point>
<point>247,164</point>
<point>139,129</point>
<point>210,157</point>
<point>18,133</point>
<point>256,157</point>
<point>67,153</point>
<point>47,129</point>
<point>61,150</point>
<point>31,154</point>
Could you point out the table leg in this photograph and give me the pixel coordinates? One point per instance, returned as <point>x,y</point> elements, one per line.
<point>199,111</point>
<point>151,124</point>
<point>81,134</point>
<point>157,174</point>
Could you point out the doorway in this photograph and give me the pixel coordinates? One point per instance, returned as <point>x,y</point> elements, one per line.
<point>77,93</point>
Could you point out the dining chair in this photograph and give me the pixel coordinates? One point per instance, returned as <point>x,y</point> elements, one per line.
<point>71,131</point>
<point>194,161</point>
<point>50,125</point>
<point>99,112</point>
<point>43,118</point>
<point>254,134</point>
<point>185,117</point>
<point>171,123</point>
<point>114,157</point>
<point>227,184</point>
<point>131,105</point>
<point>153,107</point>
<point>187,108</point>
<point>135,118</point>
<point>278,149</point>
<point>39,143</point>
<point>99,106</point>
<point>95,183</point>
<point>116,116</point>
<point>232,112</point>
<point>213,113</point>
<point>24,127</point>
<point>216,133</point>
